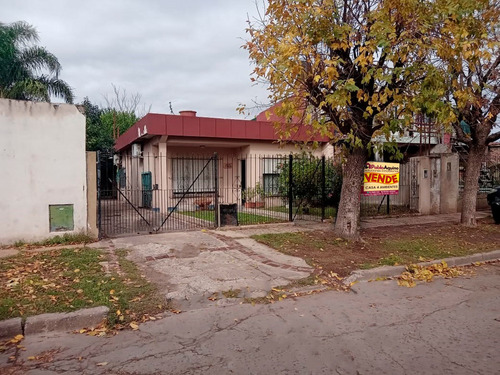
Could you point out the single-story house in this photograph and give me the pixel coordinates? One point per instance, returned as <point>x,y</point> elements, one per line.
<point>170,158</point>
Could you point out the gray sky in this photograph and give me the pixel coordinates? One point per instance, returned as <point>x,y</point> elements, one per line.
<point>187,52</point>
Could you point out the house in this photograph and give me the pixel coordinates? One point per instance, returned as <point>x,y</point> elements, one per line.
<point>169,160</point>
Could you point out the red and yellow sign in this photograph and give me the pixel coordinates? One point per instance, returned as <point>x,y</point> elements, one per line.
<point>381,178</point>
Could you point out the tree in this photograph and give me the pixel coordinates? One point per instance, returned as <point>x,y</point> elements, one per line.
<point>468,63</point>
<point>121,101</point>
<point>105,124</point>
<point>97,136</point>
<point>28,71</point>
<point>343,66</point>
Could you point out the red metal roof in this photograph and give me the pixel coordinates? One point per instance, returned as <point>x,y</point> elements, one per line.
<point>205,127</point>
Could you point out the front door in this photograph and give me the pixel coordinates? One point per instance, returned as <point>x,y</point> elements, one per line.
<point>147,190</point>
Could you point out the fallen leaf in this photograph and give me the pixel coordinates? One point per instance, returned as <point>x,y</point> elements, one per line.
<point>134,326</point>
<point>16,339</point>
<point>102,364</point>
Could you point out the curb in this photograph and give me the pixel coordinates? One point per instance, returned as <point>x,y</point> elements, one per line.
<point>391,271</point>
<point>10,328</point>
<point>53,322</point>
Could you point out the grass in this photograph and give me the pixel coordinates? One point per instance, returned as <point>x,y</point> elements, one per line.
<point>385,246</point>
<point>244,218</point>
<point>69,279</point>
<point>65,239</point>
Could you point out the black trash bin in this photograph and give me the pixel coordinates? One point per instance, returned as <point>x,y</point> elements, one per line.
<point>494,201</point>
<point>228,214</point>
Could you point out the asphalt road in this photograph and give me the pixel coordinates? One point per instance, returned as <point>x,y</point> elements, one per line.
<point>444,327</point>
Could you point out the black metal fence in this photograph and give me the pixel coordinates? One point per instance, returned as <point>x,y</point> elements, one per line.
<point>152,193</point>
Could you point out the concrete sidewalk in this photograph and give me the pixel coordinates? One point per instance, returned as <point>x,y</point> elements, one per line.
<point>417,220</point>
<point>190,267</point>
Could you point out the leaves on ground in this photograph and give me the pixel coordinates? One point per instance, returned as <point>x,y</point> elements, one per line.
<point>415,273</point>
<point>70,279</point>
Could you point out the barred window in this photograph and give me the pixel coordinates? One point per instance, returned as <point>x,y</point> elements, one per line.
<point>271,174</point>
<point>196,172</point>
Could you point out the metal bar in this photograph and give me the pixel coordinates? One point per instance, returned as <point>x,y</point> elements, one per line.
<point>312,179</point>
<point>388,205</point>
<point>183,195</point>
<point>128,201</point>
<point>99,221</point>
<point>380,205</point>
<point>290,183</point>
<point>216,176</point>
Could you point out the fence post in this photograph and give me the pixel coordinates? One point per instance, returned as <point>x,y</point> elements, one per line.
<point>388,205</point>
<point>323,187</point>
<point>290,184</point>
<point>216,199</point>
<point>98,166</point>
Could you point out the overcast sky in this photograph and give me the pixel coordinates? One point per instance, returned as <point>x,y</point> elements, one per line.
<point>187,52</point>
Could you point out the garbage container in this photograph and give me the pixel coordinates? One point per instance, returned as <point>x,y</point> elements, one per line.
<point>494,201</point>
<point>228,214</point>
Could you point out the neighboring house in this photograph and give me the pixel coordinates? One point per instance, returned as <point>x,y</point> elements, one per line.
<point>172,154</point>
<point>43,169</point>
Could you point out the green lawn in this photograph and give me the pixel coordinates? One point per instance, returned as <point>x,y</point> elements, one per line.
<point>244,218</point>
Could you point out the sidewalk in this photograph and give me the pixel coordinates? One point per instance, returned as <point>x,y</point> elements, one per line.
<point>417,219</point>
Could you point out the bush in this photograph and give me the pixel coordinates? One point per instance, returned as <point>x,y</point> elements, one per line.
<point>306,181</point>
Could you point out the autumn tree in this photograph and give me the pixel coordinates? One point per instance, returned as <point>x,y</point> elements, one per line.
<point>467,48</point>
<point>343,66</point>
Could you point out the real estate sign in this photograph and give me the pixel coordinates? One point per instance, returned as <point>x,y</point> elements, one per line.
<point>381,178</point>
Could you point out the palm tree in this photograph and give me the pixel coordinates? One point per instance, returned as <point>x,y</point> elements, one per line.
<point>27,71</point>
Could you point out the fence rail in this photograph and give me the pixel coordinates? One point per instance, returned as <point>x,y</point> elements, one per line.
<point>153,192</point>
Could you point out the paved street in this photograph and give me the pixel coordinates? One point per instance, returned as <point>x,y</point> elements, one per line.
<point>444,327</point>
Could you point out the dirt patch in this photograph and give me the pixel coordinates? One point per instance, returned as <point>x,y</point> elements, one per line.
<point>385,245</point>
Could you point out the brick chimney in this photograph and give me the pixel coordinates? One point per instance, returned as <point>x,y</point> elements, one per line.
<point>188,113</point>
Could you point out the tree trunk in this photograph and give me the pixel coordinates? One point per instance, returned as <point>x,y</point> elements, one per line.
<point>347,224</point>
<point>471,185</point>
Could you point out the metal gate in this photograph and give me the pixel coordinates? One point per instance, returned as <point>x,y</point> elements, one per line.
<point>130,201</point>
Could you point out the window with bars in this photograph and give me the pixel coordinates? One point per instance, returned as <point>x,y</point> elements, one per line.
<point>271,174</point>
<point>186,171</point>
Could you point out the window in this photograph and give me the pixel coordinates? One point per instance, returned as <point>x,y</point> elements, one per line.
<point>271,174</point>
<point>122,178</point>
<point>185,171</point>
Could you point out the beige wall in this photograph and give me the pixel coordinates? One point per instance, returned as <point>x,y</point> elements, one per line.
<point>437,178</point>
<point>42,163</point>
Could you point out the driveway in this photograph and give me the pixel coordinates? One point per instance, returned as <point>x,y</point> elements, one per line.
<point>191,266</point>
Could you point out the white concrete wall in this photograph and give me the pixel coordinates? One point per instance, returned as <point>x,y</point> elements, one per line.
<point>42,162</point>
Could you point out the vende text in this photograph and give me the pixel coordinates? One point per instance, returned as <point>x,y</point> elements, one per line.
<point>380,178</point>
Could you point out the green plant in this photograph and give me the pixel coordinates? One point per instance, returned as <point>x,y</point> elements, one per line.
<point>307,181</point>
<point>28,71</point>
<point>250,194</point>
